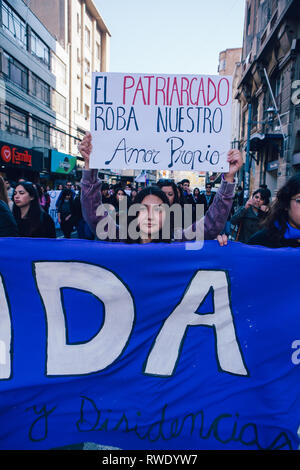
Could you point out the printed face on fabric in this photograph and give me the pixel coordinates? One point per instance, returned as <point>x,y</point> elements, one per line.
<point>294,211</point>
<point>151,216</point>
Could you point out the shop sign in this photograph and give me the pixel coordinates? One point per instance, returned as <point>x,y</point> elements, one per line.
<point>15,156</point>
<point>62,163</point>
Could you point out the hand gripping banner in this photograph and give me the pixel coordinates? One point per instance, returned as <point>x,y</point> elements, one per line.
<point>148,347</point>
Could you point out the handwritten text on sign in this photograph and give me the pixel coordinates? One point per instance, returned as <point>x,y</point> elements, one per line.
<point>156,122</point>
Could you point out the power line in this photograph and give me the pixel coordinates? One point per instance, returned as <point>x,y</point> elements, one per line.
<point>36,106</point>
<point>45,131</point>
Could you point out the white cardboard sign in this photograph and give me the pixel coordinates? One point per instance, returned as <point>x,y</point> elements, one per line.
<point>160,122</point>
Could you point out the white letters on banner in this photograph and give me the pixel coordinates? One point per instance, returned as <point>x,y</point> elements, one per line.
<point>164,355</point>
<point>161,122</point>
<point>119,313</point>
<point>108,344</point>
<point>5,335</point>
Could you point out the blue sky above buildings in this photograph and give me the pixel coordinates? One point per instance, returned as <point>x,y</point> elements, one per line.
<point>171,36</point>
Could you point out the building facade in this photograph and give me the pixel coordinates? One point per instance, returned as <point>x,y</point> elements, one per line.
<point>230,64</point>
<point>269,91</point>
<point>47,54</point>
<point>83,47</point>
<point>27,83</point>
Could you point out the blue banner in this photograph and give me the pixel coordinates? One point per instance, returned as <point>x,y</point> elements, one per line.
<point>148,347</point>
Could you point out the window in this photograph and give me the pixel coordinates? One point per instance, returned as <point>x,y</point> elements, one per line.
<point>14,71</point>
<point>40,90</point>
<point>87,37</point>
<point>59,103</point>
<point>78,23</point>
<point>98,51</point>
<point>86,112</point>
<point>87,67</point>
<point>58,140</point>
<point>13,24</point>
<point>59,69</point>
<point>40,49</point>
<point>248,16</point>
<point>78,55</point>
<point>15,121</point>
<point>277,86</point>
<point>41,130</point>
<point>254,112</point>
<point>222,65</point>
<point>248,20</point>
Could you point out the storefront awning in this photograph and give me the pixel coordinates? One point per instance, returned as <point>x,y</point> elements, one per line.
<point>258,140</point>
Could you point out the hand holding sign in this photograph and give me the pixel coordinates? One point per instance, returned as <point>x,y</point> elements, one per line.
<point>234,157</point>
<point>235,161</point>
<point>85,148</point>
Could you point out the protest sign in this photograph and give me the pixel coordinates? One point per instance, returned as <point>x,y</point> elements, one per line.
<point>161,122</point>
<point>178,352</point>
<point>54,195</point>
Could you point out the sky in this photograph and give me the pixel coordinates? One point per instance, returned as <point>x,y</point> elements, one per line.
<point>171,36</point>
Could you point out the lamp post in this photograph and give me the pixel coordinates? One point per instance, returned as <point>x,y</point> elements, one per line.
<point>247,162</point>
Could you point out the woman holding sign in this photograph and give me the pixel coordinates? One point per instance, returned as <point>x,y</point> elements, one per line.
<point>151,218</point>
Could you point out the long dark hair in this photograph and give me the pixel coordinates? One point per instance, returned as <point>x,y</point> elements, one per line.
<point>277,219</point>
<point>35,211</point>
<point>153,191</point>
<point>196,198</point>
<point>115,201</point>
<point>181,197</point>
<point>3,191</point>
<point>165,182</point>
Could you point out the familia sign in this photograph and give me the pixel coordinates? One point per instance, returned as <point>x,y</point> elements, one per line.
<point>175,353</point>
<point>14,156</point>
<point>165,122</point>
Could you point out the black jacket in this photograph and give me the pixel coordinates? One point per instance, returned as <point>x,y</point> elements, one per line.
<point>44,227</point>
<point>265,238</point>
<point>250,222</point>
<point>8,225</point>
<point>202,200</point>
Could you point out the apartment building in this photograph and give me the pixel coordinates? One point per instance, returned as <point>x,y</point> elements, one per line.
<point>27,117</point>
<point>230,65</point>
<point>83,48</point>
<point>48,51</point>
<point>267,91</point>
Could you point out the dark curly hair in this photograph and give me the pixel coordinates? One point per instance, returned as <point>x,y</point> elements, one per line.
<point>277,219</point>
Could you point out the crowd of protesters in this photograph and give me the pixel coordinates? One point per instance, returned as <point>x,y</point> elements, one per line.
<point>24,209</point>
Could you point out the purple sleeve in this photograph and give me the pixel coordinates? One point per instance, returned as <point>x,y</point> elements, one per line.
<point>217,214</point>
<point>90,197</point>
